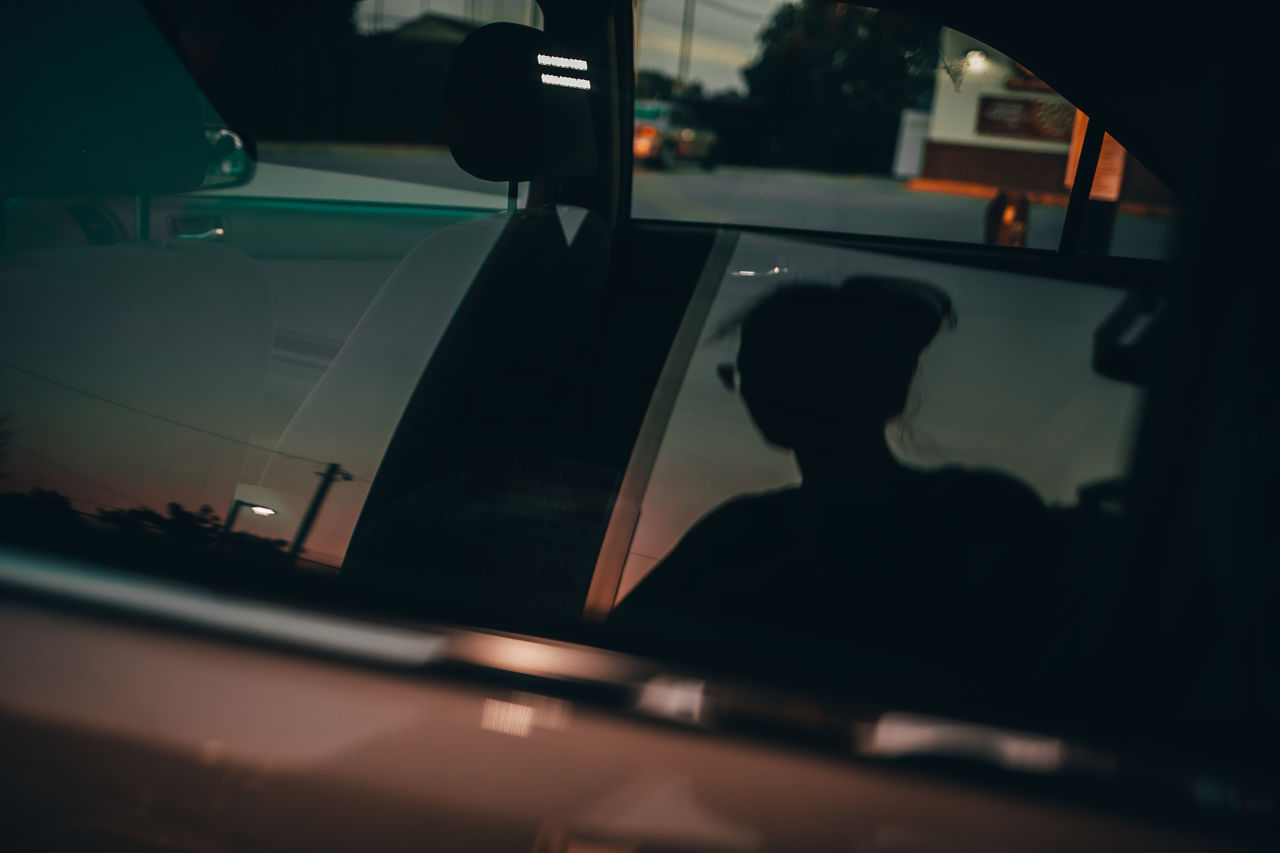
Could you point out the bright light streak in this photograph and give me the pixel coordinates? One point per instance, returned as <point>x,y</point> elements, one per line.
<point>257,510</point>
<point>567,82</point>
<point>562,62</point>
<point>899,734</point>
<point>676,698</point>
<point>508,718</point>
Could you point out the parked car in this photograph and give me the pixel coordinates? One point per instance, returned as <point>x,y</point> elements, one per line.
<point>665,134</point>
<point>319,488</point>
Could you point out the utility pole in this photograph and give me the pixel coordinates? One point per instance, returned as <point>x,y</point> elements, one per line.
<point>327,476</point>
<point>686,45</point>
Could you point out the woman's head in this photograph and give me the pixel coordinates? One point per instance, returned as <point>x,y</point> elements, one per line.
<point>816,360</point>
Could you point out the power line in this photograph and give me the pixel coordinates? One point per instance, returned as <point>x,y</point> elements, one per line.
<point>662,19</point>
<point>755,17</point>
<point>75,473</point>
<point>164,419</point>
<point>672,21</point>
<point>702,32</point>
<point>96,504</point>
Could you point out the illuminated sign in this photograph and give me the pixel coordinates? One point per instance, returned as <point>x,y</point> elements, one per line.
<point>1025,118</point>
<point>567,82</point>
<point>562,62</point>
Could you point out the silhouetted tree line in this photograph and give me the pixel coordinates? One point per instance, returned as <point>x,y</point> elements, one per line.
<point>178,541</point>
<point>826,91</point>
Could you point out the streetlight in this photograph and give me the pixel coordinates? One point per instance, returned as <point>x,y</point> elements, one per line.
<point>975,60</point>
<point>256,509</point>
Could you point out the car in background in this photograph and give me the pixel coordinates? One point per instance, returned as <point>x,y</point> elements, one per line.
<point>666,134</point>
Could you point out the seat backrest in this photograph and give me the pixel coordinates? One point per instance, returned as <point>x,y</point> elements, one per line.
<point>448,323</point>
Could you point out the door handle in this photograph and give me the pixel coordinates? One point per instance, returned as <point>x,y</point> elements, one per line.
<point>215,229</point>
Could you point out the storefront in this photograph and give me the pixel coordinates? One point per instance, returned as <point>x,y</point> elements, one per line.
<point>995,125</point>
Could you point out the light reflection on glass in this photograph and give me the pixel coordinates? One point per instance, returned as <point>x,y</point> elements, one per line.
<point>897,735</point>
<point>508,718</point>
<point>674,698</point>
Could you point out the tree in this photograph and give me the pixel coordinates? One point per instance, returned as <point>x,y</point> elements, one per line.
<point>654,85</point>
<point>833,80</point>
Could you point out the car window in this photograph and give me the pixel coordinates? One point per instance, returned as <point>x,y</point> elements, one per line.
<point>874,471</point>
<point>1009,388</point>
<point>213,375</point>
<point>874,454</point>
<point>845,118</point>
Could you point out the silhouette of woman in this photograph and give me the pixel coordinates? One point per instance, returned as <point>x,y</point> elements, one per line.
<point>866,552</point>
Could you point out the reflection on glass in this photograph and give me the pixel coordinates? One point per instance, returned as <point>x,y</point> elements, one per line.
<point>897,734</point>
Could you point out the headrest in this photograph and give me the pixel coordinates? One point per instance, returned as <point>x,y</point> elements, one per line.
<point>96,104</point>
<point>511,108</point>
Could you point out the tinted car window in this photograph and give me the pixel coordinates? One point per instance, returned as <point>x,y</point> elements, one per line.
<point>790,510</point>
<point>1010,388</point>
<point>216,370</point>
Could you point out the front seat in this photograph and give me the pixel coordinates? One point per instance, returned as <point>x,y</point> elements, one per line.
<point>475,348</point>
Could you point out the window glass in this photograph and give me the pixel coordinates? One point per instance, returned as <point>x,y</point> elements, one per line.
<point>836,117</point>
<point>1009,388</point>
<point>1130,213</point>
<point>343,99</point>
<point>879,471</point>
<point>209,378</point>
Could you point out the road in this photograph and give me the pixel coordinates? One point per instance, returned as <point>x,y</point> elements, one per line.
<point>862,204</point>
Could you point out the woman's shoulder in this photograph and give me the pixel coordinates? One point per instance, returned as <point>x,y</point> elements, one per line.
<point>715,557</point>
<point>983,487</point>
<point>741,522</point>
<point>751,504</point>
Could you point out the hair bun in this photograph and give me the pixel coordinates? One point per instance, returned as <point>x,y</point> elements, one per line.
<point>909,310</point>
<point>814,356</point>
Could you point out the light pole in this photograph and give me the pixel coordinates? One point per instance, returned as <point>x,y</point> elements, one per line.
<point>686,45</point>
<point>327,476</point>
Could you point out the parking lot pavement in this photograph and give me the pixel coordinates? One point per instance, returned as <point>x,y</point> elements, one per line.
<point>807,200</point>
<point>743,195</point>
